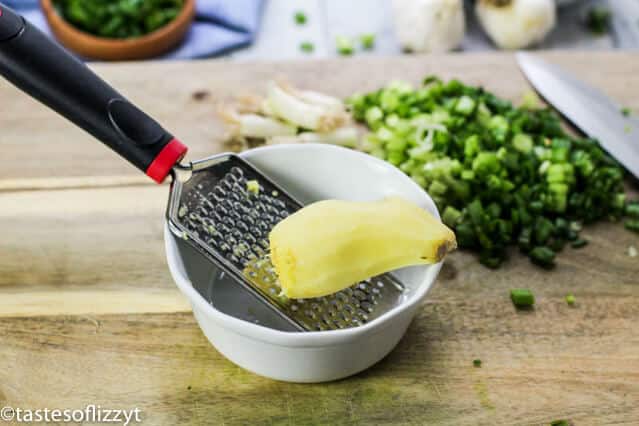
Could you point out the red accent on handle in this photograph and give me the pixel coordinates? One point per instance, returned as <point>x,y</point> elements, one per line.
<point>172,152</point>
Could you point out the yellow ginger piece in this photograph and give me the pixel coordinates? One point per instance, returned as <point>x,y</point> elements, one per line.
<point>330,245</point>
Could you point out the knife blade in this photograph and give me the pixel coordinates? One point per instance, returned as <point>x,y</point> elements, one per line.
<point>587,108</point>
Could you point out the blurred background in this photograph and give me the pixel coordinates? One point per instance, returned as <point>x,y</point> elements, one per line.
<point>294,29</point>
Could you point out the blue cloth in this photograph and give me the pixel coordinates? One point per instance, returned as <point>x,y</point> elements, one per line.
<point>219,26</point>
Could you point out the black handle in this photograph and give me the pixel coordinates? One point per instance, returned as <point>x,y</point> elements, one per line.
<point>43,69</point>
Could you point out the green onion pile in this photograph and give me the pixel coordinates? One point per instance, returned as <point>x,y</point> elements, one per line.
<point>119,18</point>
<point>501,175</point>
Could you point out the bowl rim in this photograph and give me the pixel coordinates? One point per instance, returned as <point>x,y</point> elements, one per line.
<point>307,338</point>
<point>55,19</point>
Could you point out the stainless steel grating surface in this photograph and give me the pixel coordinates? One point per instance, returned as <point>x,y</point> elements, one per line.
<point>227,209</point>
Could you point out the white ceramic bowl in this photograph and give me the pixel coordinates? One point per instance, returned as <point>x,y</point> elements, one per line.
<point>313,172</point>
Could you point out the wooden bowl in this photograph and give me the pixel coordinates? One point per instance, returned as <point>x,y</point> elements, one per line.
<point>113,49</point>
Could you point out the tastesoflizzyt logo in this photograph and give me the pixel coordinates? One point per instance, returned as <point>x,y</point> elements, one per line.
<point>90,414</point>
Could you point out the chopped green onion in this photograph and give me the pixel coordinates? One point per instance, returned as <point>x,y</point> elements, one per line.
<point>543,230</point>
<point>557,245</point>
<point>626,111</point>
<point>451,216</point>
<point>465,105</point>
<point>560,423</point>
<point>477,362</point>
<point>300,18</point>
<point>344,45</point>
<point>632,209</point>
<point>579,243</point>
<point>367,41</point>
<point>632,225</point>
<point>522,297</point>
<point>124,19</point>
<point>543,256</point>
<point>523,143</point>
<point>307,47</point>
<point>530,100</point>
<point>501,175</point>
<point>570,299</point>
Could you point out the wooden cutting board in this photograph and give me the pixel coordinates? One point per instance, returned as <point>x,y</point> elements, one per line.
<point>89,314</point>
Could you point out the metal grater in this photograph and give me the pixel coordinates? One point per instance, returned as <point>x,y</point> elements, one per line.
<point>214,211</point>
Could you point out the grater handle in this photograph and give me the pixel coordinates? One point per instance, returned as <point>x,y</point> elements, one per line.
<point>40,67</point>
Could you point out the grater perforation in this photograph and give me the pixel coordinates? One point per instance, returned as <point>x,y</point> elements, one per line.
<point>227,208</point>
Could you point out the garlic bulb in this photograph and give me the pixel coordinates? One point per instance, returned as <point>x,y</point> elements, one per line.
<point>429,25</point>
<point>514,24</point>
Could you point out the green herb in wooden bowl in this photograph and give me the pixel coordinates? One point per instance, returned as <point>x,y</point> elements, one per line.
<point>119,19</point>
<point>120,29</point>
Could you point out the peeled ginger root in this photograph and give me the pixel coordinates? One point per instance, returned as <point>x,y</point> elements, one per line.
<point>330,245</point>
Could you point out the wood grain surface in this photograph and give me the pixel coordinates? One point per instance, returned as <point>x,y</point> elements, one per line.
<point>89,315</point>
